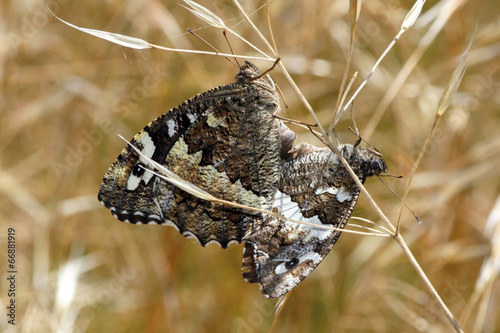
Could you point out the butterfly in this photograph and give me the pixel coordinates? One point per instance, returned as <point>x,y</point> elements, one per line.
<point>314,188</point>
<point>227,142</point>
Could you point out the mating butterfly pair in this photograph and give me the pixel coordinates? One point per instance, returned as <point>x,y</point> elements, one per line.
<point>227,142</point>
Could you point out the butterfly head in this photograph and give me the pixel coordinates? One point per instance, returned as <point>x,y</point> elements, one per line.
<point>365,162</point>
<point>247,72</point>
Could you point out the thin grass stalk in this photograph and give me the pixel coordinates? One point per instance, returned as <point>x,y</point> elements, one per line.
<point>354,9</point>
<point>408,22</point>
<point>428,283</point>
<point>429,37</point>
<point>414,169</point>
<point>257,31</point>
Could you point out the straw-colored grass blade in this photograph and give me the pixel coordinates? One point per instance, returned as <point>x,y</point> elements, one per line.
<point>127,41</point>
<point>412,15</point>
<point>205,14</point>
<point>454,82</point>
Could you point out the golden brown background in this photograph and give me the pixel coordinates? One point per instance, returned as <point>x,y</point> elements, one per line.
<point>66,95</point>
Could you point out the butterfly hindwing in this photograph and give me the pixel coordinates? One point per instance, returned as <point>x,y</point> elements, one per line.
<point>225,141</point>
<point>314,188</point>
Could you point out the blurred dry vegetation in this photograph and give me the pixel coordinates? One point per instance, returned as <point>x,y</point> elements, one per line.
<point>66,95</point>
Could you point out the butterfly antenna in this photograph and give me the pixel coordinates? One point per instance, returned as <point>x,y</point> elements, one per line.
<point>213,48</point>
<point>269,69</point>
<point>355,130</point>
<point>392,191</point>
<point>230,47</point>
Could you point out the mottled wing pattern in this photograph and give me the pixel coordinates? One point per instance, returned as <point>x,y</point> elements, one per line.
<point>315,188</point>
<point>224,141</point>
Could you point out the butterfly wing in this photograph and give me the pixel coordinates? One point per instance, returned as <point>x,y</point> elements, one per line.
<point>224,141</point>
<point>314,188</point>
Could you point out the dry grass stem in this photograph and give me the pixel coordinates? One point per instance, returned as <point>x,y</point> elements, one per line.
<point>409,20</point>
